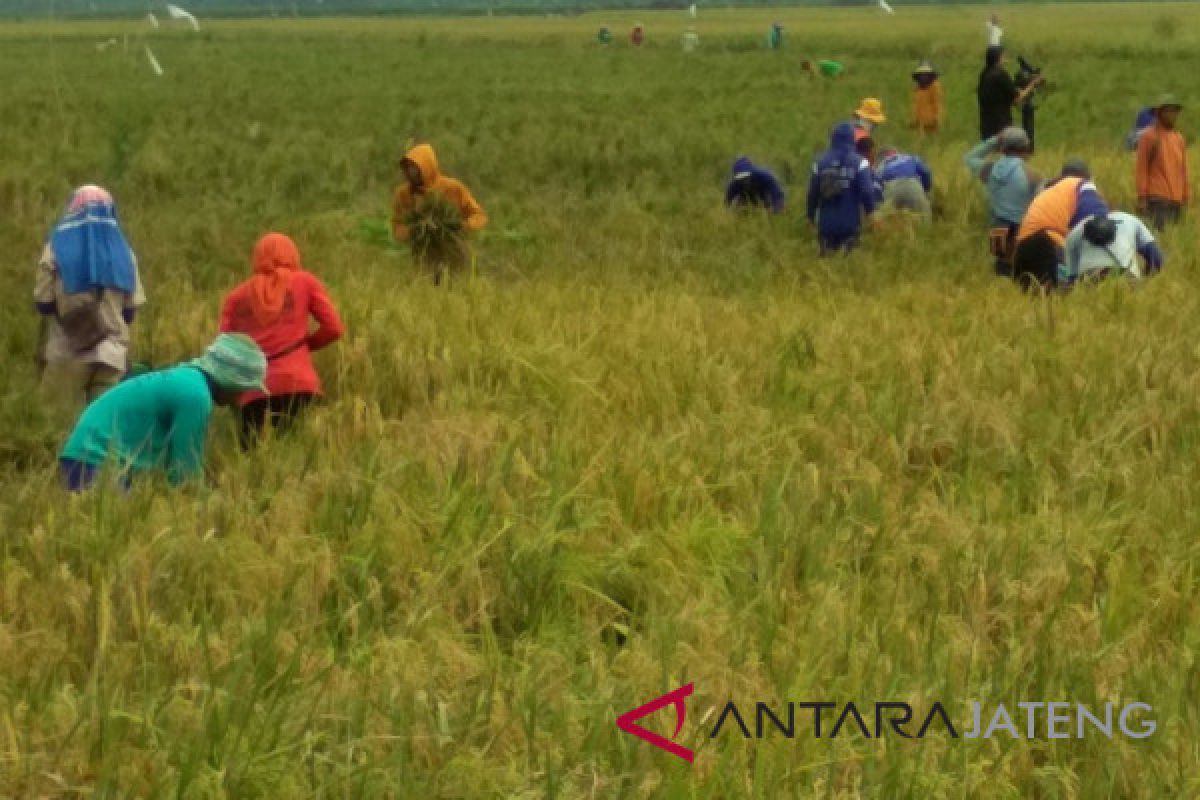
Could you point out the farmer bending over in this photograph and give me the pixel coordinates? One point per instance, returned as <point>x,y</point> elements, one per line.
<point>159,420</point>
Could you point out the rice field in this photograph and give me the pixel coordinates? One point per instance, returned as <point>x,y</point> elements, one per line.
<point>643,443</point>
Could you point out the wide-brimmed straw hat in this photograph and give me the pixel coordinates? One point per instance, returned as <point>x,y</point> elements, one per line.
<point>871,109</point>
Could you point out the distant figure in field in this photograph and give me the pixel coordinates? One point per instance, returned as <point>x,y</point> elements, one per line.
<point>997,94</point>
<point>775,36</point>
<point>928,99</point>
<point>1163,183</point>
<point>1107,245</point>
<point>637,35</point>
<point>690,40</point>
<point>868,115</point>
<point>426,185</point>
<point>995,34</point>
<point>273,308</point>
<point>826,68</point>
<point>605,35</point>
<point>753,187</point>
<point>840,193</point>
<point>159,420</point>
<point>1063,204</point>
<point>87,291</point>
<point>1143,122</point>
<point>907,182</point>
<point>1028,80</point>
<point>1011,187</point>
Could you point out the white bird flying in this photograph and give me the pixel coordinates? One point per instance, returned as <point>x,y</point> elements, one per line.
<point>154,65</point>
<point>692,10</point>
<point>178,13</point>
<point>152,20</point>
<point>884,5</point>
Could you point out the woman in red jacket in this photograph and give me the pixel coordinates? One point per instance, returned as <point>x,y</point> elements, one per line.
<point>273,308</point>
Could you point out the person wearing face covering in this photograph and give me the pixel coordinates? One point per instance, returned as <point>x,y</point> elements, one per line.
<point>274,307</point>
<point>87,290</point>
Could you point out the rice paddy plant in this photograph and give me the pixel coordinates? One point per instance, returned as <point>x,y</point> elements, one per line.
<point>645,442</point>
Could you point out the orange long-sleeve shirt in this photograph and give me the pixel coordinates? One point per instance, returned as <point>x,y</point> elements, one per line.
<point>433,181</point>
<point>928,107</point>
<point>1162,169</point>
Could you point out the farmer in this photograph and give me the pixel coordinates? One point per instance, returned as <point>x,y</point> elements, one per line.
<point>868,114</point>
<point>994,31</point>
<point>637,35</point>
<point>906,182</point>
<point>840,193</point>
<point>159,420</point>
<point>753,186</point>
<point>690,40</point>
<point>1110,244</point>
<point>1011,187</point>
<point>1162,172</point>
<point>997,94</point>
<point>1024,82</point>
<point>425,184</point>
<point>1063,204</point>
<point>775,37</point>
<point>827,68</point>
<point>273,307</point>
<point>928,99</point>
<point>87,290</point>
<point>604,36</point>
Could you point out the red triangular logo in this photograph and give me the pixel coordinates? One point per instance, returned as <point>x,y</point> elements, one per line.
<point>628,721</point>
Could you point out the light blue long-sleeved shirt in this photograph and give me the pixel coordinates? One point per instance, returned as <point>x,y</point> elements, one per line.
<point>1133,239</point>
<point>1008,186</point>
<point>157,420</point>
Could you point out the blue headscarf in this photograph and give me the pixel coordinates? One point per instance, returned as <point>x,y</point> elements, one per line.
<point>89,248</point>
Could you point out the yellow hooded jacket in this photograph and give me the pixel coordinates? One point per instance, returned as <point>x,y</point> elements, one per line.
<point>432,180</point>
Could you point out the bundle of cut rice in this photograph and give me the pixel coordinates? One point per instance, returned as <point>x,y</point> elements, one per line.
<point>436,233</point>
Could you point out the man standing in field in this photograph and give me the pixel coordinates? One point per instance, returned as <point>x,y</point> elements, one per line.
<point>420,206</point>
<point>994,31</point>
<point>1162,171</point>
<point>840,193</point>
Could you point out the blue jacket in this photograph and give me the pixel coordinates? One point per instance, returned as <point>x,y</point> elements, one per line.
<point>1143,122</point>
<point>1009,189</point>
<point>753,186</point>
<point>902,165</point>
<point>840,190</point>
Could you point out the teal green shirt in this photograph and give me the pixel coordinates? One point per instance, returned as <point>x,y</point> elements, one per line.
<point>159,419</point>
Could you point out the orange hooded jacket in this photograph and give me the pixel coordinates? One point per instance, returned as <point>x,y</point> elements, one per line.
<point>432,180</point>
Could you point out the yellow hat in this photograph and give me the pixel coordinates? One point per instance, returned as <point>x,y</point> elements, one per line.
<point>871,110</point>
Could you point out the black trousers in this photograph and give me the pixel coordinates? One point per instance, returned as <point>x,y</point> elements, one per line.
<point>1035,262</point>
<point>277,411</point>
<point>1027,112</point>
